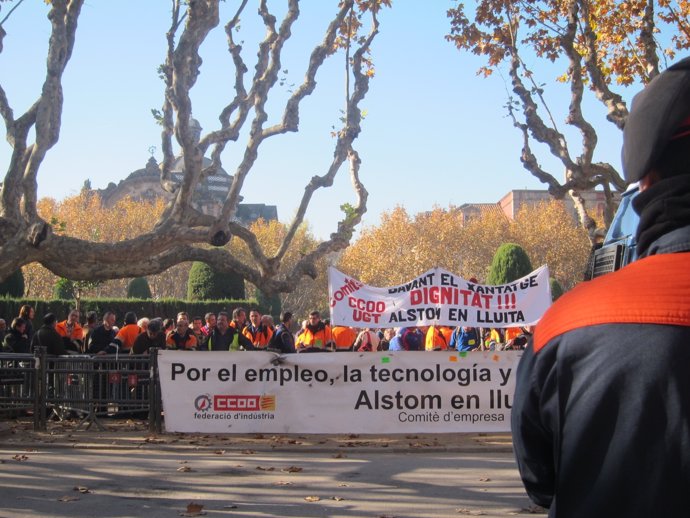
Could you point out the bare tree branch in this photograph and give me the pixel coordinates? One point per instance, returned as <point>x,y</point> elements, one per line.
<point>617,110</point>
<point>182,232</point>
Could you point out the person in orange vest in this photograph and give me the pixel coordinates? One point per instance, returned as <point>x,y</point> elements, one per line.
<point>239,319</point>
<point>129,332</point>
<point>182,338</point>
<point>71,332</point>
<point>317,335</point>
<point>516,338</point>
<point>438,338</point>
<point>257,333</point>
<point>601,411</point>
<point>343,337</point>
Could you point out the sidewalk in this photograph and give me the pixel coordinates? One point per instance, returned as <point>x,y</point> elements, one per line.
<point>121,434</point>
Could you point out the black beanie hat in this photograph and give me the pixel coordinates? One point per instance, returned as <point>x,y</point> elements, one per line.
<point>657,113</point>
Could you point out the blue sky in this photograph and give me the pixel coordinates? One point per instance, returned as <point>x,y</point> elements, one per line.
<point>435,133</point>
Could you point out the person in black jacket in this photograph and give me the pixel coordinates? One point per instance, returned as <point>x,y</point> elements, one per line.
<point>102,339</point>
<point>46,336</point>
<point>16,340</point>
<point>601,414</point>
<point>282,340</point>
<point>153,337</point>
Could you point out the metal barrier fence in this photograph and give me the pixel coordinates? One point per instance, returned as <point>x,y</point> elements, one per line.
<point>87,387</point>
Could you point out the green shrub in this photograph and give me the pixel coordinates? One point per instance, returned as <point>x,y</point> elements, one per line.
<point>13,286</point>
<point>556,289</point>
<point>164,308</point>
<point>510,263</point>
<point>63,289</point>
<point>138,288</point>
<point>269,304</point>
<point>204,283</point>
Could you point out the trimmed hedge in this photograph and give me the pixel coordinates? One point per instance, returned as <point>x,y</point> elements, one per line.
<point>509,264</point>
<point>13,286</point>
<point>164,308</point>
<point>205,283</point>
<point>138,288</point>
<point>63,289</point>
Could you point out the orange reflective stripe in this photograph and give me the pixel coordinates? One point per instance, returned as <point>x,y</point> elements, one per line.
<point>653,290</point>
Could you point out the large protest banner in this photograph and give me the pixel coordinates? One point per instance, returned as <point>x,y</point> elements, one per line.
<point>373,392</point>
<point>439,297</point>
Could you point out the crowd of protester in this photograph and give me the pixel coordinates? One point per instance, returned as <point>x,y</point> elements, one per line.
<point>236,331</point>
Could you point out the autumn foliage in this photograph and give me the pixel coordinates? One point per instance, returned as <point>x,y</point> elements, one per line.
<point>310,294</point>
<point>402,246</point>
<point>569,64</point>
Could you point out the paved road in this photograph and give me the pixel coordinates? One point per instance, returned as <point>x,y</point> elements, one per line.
<point>40,481</point>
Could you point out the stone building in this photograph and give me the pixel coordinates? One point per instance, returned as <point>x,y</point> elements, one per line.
<point>513,201</point>
<point>144,184</point>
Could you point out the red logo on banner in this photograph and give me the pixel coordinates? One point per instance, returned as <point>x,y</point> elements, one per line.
<point>233,403</point>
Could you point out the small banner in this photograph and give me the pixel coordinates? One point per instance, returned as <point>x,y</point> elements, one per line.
<point>439,297</point>
<point>373,392</point>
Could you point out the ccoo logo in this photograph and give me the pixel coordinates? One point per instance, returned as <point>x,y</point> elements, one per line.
<point>203,403</point>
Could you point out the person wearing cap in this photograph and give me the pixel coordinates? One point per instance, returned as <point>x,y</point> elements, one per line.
<point>152,337</point>
<point>601,414</point>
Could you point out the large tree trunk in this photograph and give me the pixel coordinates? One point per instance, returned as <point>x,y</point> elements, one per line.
<point>26,238</point>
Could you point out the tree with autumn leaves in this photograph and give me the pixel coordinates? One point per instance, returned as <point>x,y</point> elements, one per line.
<point>596,46</point>
<point>181,233</point>
<point>403,246</point>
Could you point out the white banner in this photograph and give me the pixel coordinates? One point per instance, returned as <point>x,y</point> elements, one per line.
<point>439,297</point>
<point>373,392</point>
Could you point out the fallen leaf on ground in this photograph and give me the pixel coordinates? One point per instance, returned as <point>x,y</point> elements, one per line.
<point>485,479</point>
<point>68,498</point>
<point>219,452</point>
<point>533,509</point>
<point>283,483</point>
<point>194,509</point>
<point>470,512</point>
<point>184,469</point>
<point>312,498</point>
<point>82,489</point>
<point>337,498</point>
<point>265,469</point>
<point>292,469</point>
<point>20,458</point>
<point>248,452</point>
